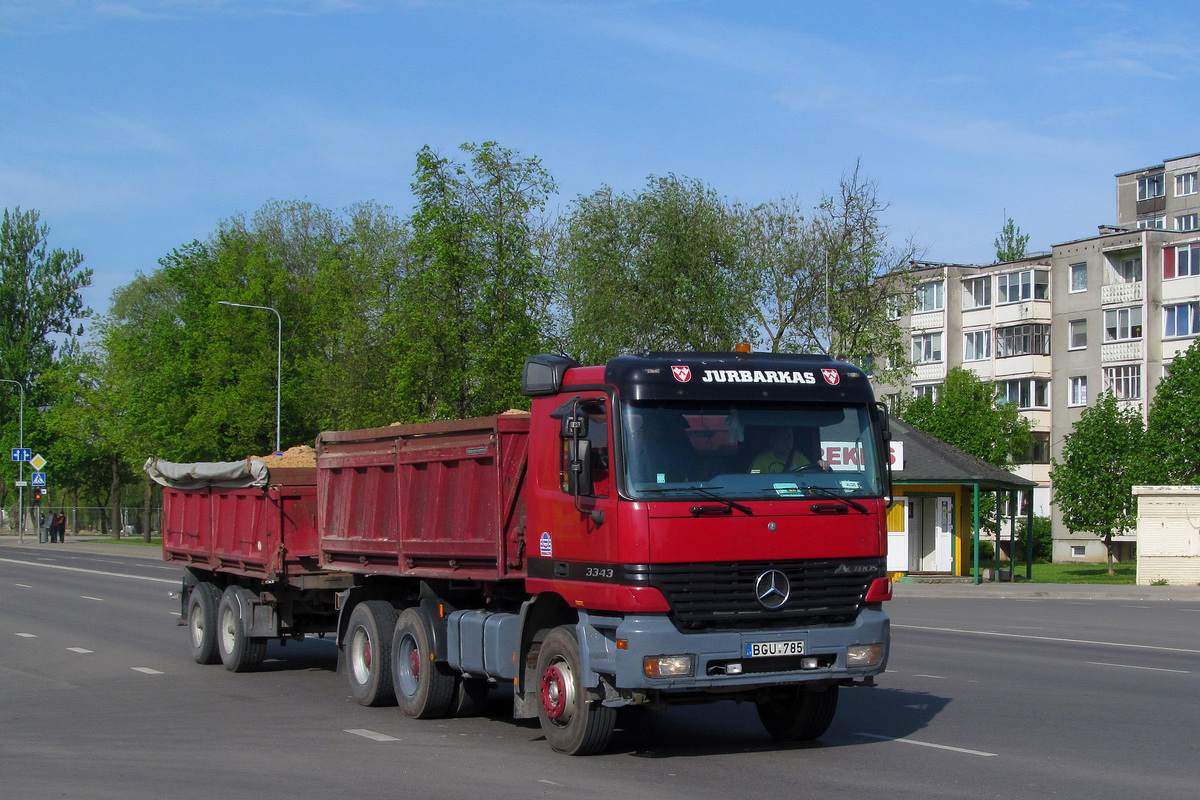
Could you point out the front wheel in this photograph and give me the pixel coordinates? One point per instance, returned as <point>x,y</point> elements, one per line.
<point>369,652</point>
<point>424,690</point>
<point>794,714</point>
<point>573,724</point>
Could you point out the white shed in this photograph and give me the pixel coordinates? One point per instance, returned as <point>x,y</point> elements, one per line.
<point>1168,535</point>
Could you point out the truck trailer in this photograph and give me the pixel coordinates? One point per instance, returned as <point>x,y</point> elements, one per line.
<point>665,528</point>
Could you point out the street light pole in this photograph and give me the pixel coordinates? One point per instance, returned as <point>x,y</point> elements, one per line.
<point>20,464</point>
<point>278,358</point>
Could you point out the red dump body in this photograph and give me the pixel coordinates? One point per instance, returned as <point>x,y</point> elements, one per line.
<point>431,500</point>
<point>268,533</point>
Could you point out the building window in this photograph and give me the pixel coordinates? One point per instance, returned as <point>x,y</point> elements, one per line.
<point>1124,382</point>
<point>1153,223</point>
<point>1185,222</point>
<point>977,345</point>
<point>927,390</point>
<point>1126,270</point>
<point>1078,550</point>
<point>1026,392</point>
<point>930,297</point>
<point>977,292</point>
<point>1078,391</point>
<point>1023,340</point>
<point>1079,277</point>
<point>1185,184</point>
<point>1123,324</point>
<point>1077,334</point>
<point>927,348</point>
<point>1039,450</point>
<point>1182,261</point>
<point>1150,187</point>
<point>1181,320</point>
<point>1013,287</point>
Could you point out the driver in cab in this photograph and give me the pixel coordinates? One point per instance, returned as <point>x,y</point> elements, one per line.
<point>781,456</point>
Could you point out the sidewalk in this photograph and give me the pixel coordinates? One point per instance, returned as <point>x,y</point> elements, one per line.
<point>86,544</point>
<point>1025,590</point>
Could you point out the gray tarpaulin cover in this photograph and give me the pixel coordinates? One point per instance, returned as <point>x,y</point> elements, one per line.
<point>225,474</point>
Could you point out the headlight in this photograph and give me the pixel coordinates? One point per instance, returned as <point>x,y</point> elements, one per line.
<point>667,666</point>
<point>864,655</point>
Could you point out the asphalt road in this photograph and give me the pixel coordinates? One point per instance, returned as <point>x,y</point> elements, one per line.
<point>1007,696</point>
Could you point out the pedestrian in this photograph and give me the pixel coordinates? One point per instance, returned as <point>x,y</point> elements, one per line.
<point>58,528</point>
<point>44,528</point>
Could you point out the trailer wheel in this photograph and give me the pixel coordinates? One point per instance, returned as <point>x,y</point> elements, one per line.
<point>795,714</point>
<point>573,724</point>
<point>470,696</point>
<point>424,689</point>
<point>239,652</point>
<point>369,653</point>
<point>202,622</point>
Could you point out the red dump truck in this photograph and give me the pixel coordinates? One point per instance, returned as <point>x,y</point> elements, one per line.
<point>666,528</point>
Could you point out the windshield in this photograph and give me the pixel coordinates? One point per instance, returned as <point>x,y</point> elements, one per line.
<point>748,451</point>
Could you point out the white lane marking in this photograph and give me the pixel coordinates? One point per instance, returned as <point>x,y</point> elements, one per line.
<point>1050,639</point>
<point>927,744</point>
<point>79,650</point>
<point>146,670</point>
<point>89,597</point>
<point>27,635</point>
<point>936,677</point>
<point>1135,666</point>
<point>372,735</point>
<point>90,571</point>
<point>23,585</point>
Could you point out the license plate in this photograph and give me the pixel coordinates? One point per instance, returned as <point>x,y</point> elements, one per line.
<point>759,649</point>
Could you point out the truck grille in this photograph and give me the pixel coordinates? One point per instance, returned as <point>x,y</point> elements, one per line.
<point>722,595</point>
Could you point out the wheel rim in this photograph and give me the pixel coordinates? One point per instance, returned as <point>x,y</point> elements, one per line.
<point>558,692</point>
<point>409,662</point>
<point>196,625</point>
<point>360,655</point>
<point>228,632</point>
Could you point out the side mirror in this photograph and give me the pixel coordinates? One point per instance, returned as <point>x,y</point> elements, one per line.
<point>579,467</point>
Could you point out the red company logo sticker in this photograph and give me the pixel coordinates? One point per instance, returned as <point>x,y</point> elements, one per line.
<point>683,374</point>
<point>831,376</point>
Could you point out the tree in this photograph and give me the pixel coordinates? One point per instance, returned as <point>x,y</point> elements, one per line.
<point>659,270</point>
<point>40,303</point>
<point>1010,243</point>
<point>1093,484</point>
<point>969,415</point>
<point>1171,451</point>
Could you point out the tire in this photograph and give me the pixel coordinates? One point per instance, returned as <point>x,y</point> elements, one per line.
<point>424,689</point>
<point>794,714</point>
<point>573,724</point>
<point>239,652</point>
<point>369,653</point>
<point>470,696</point>
<point>202,622</point>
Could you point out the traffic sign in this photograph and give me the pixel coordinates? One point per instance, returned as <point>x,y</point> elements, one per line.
<point>38,479</point>
<point>20,484</point>
<point>21,453</point>
<point>37,462</point>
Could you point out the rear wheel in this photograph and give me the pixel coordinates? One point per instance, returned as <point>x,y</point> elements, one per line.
<point>794,714</point>
<point>239,651</point>
<point>573,724</point>
<point>369,653</point>
<point>202,622</point>
<point>424,689</point>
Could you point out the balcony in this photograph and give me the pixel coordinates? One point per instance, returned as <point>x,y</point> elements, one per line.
<point>931,321</point>
<point>1121,351</point>
<point>1121,293</point>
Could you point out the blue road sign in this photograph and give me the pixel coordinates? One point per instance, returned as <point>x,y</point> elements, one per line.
<point>38,479</point>
<point>21,453</point>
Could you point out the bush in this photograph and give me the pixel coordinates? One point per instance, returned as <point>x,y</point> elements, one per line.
<point>1043,540</point>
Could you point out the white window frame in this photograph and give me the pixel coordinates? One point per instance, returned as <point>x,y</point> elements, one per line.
<point>971,291</point>
<point>1027,339</point>
<point>1185,184</point>
<point>1027,393</point>
<point>977,345</point>
<point>1125,270</point>
<point>1187,261</point>
<point>1186,222</point>
<point>1077,328</point>
<point>1123,324</point>
<point>929,296</point>
<point>1124,382</point>
<point>930,390</point>
<point>1191,320</point>
<point>1078,269</point>
<point>930,348</point>
<point>1158,223</point>
<point>1026,284</point>
<point>1151,186</point>
<point>1077,391</point>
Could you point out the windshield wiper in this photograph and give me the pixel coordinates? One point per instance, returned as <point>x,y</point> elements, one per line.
<point>821,490</point>
<point>747,510</point>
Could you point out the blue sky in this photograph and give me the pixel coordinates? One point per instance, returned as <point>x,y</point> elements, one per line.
<point>136,126</point>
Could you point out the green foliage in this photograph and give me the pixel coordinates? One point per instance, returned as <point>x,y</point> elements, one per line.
<point>1093,482</point>
<point>968,415</point>
<point>1171,448</point>
<point>1043,539</point>
<point>1010,243</point>
<point>660,270</point>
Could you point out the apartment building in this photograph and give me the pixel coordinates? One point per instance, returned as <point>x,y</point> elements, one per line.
<point>1055,330</point>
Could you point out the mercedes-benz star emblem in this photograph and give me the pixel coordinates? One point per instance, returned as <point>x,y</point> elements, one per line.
<point>772,589</point>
